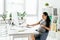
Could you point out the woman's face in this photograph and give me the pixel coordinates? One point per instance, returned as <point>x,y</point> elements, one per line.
<point>44,17</point>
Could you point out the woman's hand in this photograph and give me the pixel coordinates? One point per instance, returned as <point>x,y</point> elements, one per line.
<point>28,26</point>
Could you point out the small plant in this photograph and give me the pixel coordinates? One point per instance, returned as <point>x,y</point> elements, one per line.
<point>4,16</point>
<point>46,4</point>
<point>22,15</point>
<point>18,13</point>
<point>10,16</point>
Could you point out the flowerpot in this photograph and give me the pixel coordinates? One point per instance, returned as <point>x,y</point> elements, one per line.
<point>12,23</point>
<point>21,18</point>
<point>4,19</point>
<point>10,18</point>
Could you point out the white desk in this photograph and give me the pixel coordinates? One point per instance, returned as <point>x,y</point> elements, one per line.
<point>23,33</point>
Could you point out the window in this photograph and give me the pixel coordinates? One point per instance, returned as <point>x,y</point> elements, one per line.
<point>31,7</point>
<point>31,10</point>
<point>1,6</point>
<point>15,5</point>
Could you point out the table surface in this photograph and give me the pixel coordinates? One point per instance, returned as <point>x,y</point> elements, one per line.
<point>21,30</point>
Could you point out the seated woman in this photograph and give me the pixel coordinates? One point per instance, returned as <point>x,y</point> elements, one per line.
<point>44,26</point>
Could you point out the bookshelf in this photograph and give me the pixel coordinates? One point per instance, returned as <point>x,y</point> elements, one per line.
<point>58,23</point>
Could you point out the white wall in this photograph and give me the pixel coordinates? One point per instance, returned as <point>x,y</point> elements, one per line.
<point>31,10</point>
<point>31,7</point>
<point>53,3</point>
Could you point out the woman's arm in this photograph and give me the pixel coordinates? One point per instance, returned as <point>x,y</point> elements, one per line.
<point>34,24</point>
<point>45,27</point>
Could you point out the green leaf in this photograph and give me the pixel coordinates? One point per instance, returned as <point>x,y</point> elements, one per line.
<point>10,15</point>
<point>46,4</point>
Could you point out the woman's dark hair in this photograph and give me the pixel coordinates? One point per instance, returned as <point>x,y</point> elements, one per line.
<point>47,20</point>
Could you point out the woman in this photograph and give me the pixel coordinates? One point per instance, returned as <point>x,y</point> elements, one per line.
<point>45,26</point>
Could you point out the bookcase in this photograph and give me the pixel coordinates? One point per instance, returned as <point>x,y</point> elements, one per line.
<point>58,22</point>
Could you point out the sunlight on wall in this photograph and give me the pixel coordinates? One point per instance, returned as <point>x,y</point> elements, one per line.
<point>31,7</point>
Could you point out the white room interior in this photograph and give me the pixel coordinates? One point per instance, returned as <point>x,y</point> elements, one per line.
<point>33,9</point>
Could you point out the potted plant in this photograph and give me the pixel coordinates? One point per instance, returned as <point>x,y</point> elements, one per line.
<point>4,16</point>
<point>21,15</point>
<point>10,16</point>
<point>46,4</point>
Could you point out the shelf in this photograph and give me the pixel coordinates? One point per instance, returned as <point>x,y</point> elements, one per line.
<point>55,11</point>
